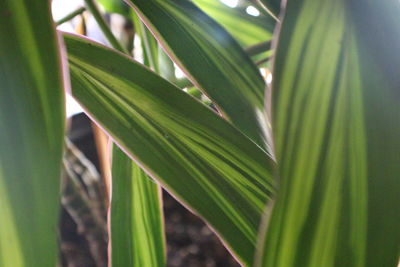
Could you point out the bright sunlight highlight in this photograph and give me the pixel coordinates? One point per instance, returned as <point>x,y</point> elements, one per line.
<point>251,10</point>
<point>230,3</point>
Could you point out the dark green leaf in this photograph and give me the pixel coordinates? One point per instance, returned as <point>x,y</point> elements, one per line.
<point>336,117</point>
<point>200,158</point>
<point>31,134</point>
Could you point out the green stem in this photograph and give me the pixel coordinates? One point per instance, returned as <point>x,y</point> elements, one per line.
<point>92,7</point>
<point>258,48</point>
<point>262,61</point>
<point>71,15</point>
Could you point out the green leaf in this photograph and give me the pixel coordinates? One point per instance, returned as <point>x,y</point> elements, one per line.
<point>137,230</point>
<point>153,55</point>
<point>31,134</point>
<point>211,59</point>
<point>248,30</point>
<point>196,155</point>
<point>336,117</point>
<point>166,67</point>
<point>149,44</point>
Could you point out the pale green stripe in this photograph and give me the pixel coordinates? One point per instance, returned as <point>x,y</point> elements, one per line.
<point>137,231</point>
<point>337,166</point>
<point>190,150</point>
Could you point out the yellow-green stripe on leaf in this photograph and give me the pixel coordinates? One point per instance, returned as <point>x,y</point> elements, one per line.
<point>195,154</point>
<point>137,229</point>
<point>211,58</point>
<point>336,121</point>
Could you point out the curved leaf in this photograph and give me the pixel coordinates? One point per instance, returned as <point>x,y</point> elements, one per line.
<point>137,230</point>
<point>31,134</point>
<point>211,58</point>
<point>336,117</point>
<point>199,157</point>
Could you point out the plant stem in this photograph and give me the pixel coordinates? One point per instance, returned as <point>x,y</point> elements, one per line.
<point>262,61</point>
<point>71,15</point>
<point>258,48</point>
<point>92,7</point>
<point>264,10</point>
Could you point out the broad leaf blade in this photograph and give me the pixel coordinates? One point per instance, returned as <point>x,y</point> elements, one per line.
<point>31,134</point>
<point>137,230</point>
<point>210,57</point>
<point>336,117</point>
<point>199,157</point>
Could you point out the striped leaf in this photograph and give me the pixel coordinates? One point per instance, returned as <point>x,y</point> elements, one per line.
<point>211,59</point>
<point>336,117</point>
<point>196,155</point>
<point>137,230</point>
<point>246,29</point>
<point>31,134</point>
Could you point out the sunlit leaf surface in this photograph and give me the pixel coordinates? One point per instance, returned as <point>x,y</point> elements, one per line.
<point>336,115</point>
<point>248,30</point>
<point>211,58</point>
<point>195,154</point>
